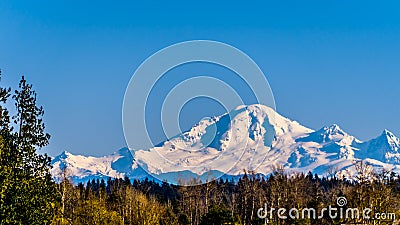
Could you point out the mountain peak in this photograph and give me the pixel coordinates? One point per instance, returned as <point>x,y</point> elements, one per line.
<point>327,134</point>
<point>388,134</point>
<point>65,154</point>
<point>333,129</point>
<point>390,139</point>
<point>384,148</point>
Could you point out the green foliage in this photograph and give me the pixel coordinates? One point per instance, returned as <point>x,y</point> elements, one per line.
<point>123,204</point>
<point>183,219</point>
<point>27,194</point>
<point>217,216</point>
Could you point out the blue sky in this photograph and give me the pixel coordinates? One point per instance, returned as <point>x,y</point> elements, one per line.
<point>326,61</point>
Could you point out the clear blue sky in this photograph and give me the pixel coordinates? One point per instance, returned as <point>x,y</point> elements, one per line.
<point>327,61</point>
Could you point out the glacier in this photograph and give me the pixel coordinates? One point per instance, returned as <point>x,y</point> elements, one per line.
<point>249,138</point>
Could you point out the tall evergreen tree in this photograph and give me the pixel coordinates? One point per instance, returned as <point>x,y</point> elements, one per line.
<point>9,160</point>
<point>29,194</point>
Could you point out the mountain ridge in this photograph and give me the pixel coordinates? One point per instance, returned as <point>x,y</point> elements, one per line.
<point>255,137</point>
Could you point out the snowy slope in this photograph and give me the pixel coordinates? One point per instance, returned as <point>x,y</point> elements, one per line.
<point>385,148</point>
<point>251,137</point>
<point>82,168</point>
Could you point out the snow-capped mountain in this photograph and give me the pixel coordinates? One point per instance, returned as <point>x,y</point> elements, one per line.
<point>385,148</point>
<point>81,168</point>
<point>252,138</point>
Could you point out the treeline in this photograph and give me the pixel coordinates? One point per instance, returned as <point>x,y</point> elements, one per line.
<point>122,201</point>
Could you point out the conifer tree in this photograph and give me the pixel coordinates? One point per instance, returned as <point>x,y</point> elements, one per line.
<point>27,190</point>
